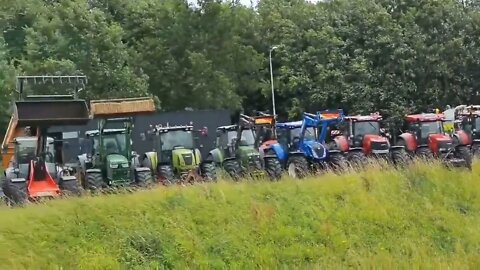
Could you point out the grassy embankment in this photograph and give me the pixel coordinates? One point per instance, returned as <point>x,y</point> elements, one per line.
<point>424,217</point>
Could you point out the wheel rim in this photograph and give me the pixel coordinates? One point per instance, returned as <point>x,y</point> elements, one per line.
<point>292,170</point>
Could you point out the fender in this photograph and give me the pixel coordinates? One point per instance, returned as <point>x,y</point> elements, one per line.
<point>410,141</point>
<point>462,137</point>
<point>354,149</point>
<point>342,143</point>
<point>334,151</point>
<point>94,171</point>
<point>142,169</point>
<point>68,178</point>
<point>150,160</point>
<point>216,155</point>
<point>279,152</point>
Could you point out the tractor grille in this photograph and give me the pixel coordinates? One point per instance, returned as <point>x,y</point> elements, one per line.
<point>319,151</point>
<point>254,162</point>
<point>121,174</point>
<point>379,146</point>
<point>444,146</point>
<point>188,159</point>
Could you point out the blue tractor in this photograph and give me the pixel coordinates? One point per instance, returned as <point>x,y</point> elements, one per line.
<point>301,146</point>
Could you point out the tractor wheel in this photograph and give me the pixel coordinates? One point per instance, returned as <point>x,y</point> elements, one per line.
<point>338,162</point>
<point>209,172</point>
<point>424,153</point>
<point>297,167</point>
<point>94,181</point>
<point>476,150</point>
<point>143,178</point>
<point>15,193</point>
<point>233,168</point>
<point>357,159</point>
<point>400,157</point>
<point>463,153</point>
<point>70,188</point>
<point>165,172</point>
<point>273,168</point>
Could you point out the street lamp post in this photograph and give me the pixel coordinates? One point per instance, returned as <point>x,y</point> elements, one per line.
<point>271,80</point>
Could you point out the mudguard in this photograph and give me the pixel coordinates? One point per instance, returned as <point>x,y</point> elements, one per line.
<point>152,160</point>
<point>142,169</point>
<point>462,138</point>
<point>396,147</point>
<point>68,178</point>
<point>354,149</point>
<point>342,143</point>
<point>94,171</point>
<point>410,141</point>
<point>279,152</point>
<point>216,156</point>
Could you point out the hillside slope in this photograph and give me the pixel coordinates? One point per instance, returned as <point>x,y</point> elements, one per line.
<point>426,216</point>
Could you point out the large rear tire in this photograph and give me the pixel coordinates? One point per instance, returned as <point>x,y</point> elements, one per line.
<point>94,181</point>
<point>165,172</point>
<point>233,168</point>
<point>16,193</point>
<point>273,168</point>
<point>297,167</point>
<point>464,153</point>
<point>209,172</point>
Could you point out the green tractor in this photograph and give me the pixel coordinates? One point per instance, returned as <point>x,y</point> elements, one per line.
<point>237,150</point>
<point>175,157</point>
<point>108,160</point>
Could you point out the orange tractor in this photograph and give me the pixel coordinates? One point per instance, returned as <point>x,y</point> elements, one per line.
<point>424,136</point>
<point>32,172</point>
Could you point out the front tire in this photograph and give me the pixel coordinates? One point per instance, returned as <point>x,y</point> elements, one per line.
<point>165,172</point>
<point>424,153</point>
<point>399,157</point>
<point>357,159</point>
<point>337,162</point>
<point>94,181</point>
<point>463,153</point>
<point>273,168</point>
<point>70,188</point>
<point>143,178</point>
<point>209,172</point>
<point>233,168</point>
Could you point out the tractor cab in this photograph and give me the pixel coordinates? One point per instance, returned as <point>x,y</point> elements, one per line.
<point>25,148</point>
<point>468,120</point>
<point>365,132</point>
<point>289,134</point>
<point>428,131</point>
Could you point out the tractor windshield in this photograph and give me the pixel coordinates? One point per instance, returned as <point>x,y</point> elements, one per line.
<point>114,143</point>
<point>424,129</point>
<point>309,134</point>
<point>366,127</point>
<point>176,138</point>
<point>248,138</point>
<point>26,151</point>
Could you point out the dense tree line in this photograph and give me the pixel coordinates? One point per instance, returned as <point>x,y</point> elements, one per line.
<point>392,56</point>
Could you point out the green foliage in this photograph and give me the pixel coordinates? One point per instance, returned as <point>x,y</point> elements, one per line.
<point>424,217</point>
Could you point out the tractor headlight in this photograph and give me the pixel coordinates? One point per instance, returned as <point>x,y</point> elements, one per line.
<point>124,165</point>
<point>113,166</point>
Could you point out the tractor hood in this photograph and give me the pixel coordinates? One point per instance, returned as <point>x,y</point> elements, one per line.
<point>185,159</point>
<point>246,151</point>
<point>117,160</point>
<point>440,143</point>
<point>375,144</point>
<point>314,149</point>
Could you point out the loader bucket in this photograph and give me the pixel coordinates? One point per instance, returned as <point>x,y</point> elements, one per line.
<point>122,107</point>
<point>51,112</point>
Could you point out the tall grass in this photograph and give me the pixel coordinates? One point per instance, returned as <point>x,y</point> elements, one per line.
<point>424,217</point>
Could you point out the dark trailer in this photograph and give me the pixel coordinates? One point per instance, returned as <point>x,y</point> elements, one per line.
<point>210,119</point>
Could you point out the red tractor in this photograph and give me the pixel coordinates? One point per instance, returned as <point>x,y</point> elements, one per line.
<point>365,138</point>
<point>424,136</point>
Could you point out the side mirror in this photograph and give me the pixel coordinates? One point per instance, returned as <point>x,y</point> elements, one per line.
<point>134,153</point>
<point>16,171</point>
